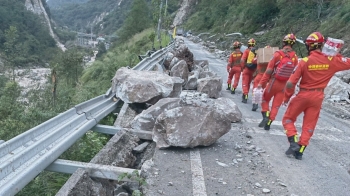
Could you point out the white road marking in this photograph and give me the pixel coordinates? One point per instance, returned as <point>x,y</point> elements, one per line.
<point>198,182</point>
<point>317,135</point>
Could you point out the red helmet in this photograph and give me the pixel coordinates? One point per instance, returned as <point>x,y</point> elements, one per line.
<point>314,40</point>
<point>236,44</point>
<point>289,39</point>
<point>251,42</point>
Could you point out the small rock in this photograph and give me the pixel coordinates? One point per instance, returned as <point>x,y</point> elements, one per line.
<point>170,184</point>
<point>238,155</point>
<point>239,187</point>
<point>156,173</point>
<point>234,161</point>
<point>160,192</point>
<point>258,185</point>
<point>224,182</point>
<point>248,142</point>
<point>239,160</point>
<point>250,195</point>
<point>255,154</point>
<point>282,184</point>
<point>250,148</point>
<point>183,172</point>
<point>266,190</point>
<point>221,164</point>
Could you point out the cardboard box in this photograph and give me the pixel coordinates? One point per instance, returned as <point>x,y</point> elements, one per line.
<point>264,55</point>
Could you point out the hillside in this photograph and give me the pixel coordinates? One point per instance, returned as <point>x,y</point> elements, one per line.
<point>29,38</point>
<point>269,20</point>
<point>105,16</point>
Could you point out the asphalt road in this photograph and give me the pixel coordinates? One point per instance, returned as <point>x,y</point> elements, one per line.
<point>251,161</point>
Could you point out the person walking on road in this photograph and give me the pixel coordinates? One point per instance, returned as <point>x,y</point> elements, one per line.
<point>234,67</point>
<point>314,73</point>
<point>278,71</point>
<point>260,72</point>
<point>247,75</point>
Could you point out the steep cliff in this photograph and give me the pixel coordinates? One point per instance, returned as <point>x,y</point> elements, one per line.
<point>37,7</point>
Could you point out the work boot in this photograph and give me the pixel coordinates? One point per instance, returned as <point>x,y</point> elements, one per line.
<point>244,98</point>
<point>228,87</point>
<point>294,146</point>
<point>233,91</point>
<point>299,154</point>
<point>255,107</point>
<point>265,118</point>
<point>267,125</point>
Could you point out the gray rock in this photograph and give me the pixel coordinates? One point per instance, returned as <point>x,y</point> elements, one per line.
<point>229,107</point>
<point>180,70</point>
<point>125,116</point>
<point>206,74</point>
<point>210,86</point>
<point>192,81</point>
<point>167,60</point>
<point>173,62</point>
<point>146,120</point>
<point>203,64</point>
<point>266,191</point>
<point>337,87</point>
<point>175,127</point>
<point>258,185</point>
<point>134,86</point>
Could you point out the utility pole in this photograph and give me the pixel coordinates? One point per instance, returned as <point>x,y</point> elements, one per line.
<point>159,21</point>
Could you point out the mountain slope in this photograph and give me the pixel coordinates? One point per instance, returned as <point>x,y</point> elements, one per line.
<point>273,19</point>
<point>33,43</point>
<point>107,15</point>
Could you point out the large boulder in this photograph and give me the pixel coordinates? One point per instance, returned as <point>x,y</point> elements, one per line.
<point>180,70</point>
<point>184,53</point>
<point>173,62</point>
<point>337,88</point>
<point>206,74</point>
<point>168,58</point>
<point>192,81</point>
<point>190,126</point>
<point>201,64</point>
<point>125,116</point>
<point>146,120</point>
<point>229,108</point>
<point>211,86</point>
<point>133,86</point>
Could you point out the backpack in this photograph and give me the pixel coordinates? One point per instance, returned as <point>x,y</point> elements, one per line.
<point>285,66</point>
<point>251,62</point>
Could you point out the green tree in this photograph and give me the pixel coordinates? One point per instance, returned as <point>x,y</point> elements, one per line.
<point>101,50</point>
<point>11,48</point>
<point>137,20</point>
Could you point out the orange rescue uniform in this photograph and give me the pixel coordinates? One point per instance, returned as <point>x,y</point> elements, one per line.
<point>275,88</point>
<point>261,68</point>
<point>234,68</point>
<point>315,72</point>
<point>247,75</point>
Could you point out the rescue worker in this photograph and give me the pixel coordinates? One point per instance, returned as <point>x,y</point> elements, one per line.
<point>315,71</point>
<point>234,67</point>
<point>260,70</point>
<point>247,75</point>
<point>276,75</point>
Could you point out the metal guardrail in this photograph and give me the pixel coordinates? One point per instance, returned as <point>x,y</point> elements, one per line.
<point>23,157</point>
